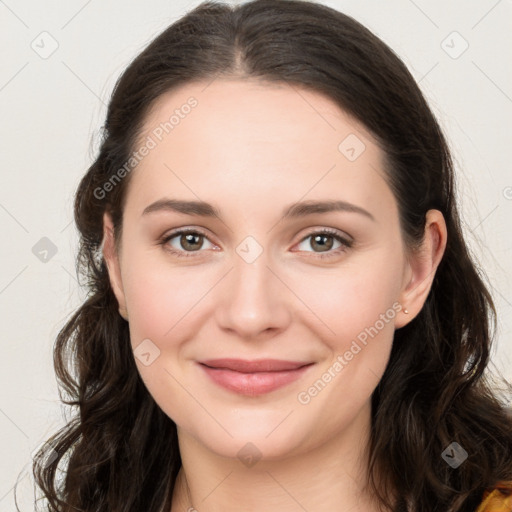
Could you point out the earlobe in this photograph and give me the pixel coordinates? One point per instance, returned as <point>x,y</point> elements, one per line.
<point>112,261</point>
<point>422,266</point>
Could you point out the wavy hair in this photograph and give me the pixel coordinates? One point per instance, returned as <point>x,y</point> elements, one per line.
<point>120,451</point>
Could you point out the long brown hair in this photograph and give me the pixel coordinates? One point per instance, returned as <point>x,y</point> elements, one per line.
<point>120,451</point>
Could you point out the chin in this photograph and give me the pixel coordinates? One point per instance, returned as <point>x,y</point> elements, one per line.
<point>255,440</point>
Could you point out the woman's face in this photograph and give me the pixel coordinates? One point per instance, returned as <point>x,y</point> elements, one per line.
<point>259,280</point>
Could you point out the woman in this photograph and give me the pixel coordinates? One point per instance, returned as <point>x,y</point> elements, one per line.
<point>283,314</point>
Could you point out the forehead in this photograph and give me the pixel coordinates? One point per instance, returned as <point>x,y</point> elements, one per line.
<point>241,110</point>
<point>253,139</point>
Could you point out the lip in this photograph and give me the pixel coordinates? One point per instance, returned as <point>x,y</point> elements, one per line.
<point>253,378</point>
<point>258,365</point>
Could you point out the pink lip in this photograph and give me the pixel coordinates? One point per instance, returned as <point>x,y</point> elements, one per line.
<point>253,378</point>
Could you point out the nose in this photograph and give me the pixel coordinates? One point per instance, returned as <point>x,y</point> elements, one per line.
<point>253,301</point>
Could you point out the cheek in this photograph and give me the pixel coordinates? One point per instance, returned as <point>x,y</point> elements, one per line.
<point>356,313</point>
<point>164,300</point>
<point>347,300</point>
<point>164,304</point>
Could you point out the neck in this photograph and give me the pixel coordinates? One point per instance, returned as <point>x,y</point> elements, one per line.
<point>331,476</point>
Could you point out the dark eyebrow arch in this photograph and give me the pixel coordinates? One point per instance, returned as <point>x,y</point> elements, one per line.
<point>295,210</point>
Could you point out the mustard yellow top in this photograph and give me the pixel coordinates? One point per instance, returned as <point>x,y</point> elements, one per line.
<point>497,499</point>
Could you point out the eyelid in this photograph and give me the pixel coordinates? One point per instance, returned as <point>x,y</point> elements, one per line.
<point>330,231</point>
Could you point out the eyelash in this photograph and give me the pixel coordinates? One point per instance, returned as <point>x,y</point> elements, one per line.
<point>346,244</point>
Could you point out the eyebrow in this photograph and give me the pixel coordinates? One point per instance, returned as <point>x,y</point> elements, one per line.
<point>295,210</point>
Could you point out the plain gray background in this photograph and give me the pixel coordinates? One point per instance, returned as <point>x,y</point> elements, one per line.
<point>59,64</point>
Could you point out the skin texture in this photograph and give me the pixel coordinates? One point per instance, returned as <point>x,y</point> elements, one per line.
<point>251,149</point>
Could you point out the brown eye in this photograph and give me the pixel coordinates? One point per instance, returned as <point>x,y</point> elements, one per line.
<point>324,241</point>
<point>184,241</point>
<point>190,241</point>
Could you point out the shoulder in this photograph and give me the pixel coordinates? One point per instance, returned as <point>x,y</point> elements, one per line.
<point>497,498</point>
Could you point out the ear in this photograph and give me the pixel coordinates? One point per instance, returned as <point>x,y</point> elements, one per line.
<point>112,260</point>
<point>422,266</point>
